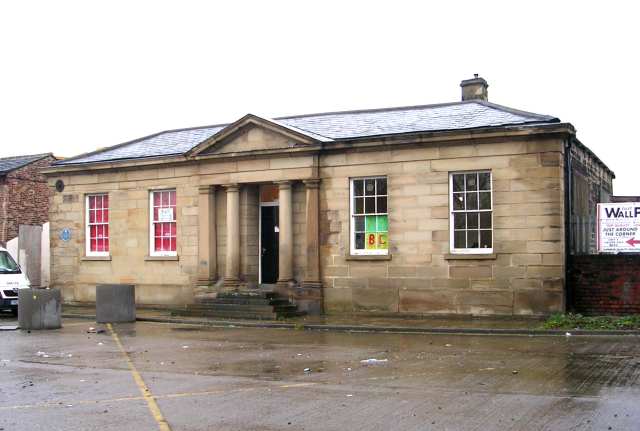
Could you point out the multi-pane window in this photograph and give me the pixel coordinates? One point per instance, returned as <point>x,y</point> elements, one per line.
<point>369,216</point>
<point>471,212</point>
<point>163,223</point>
<point>97,228</point>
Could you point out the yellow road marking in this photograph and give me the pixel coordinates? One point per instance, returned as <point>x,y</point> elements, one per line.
<point>144,390</point>
<point>156,397</point>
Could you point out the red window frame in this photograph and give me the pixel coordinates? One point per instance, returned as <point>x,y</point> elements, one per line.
<point>97,225</point>
<point>163,233</point>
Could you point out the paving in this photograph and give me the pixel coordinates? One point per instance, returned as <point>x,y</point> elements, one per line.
<point>504,325</point>
<point>231,378</point>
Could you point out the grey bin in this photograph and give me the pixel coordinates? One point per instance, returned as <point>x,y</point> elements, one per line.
<point>39,309</point>
<point>115,303</point>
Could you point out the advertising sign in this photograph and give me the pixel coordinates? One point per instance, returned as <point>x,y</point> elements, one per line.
<point>376,228</point>
<point>619,228</point>
<point>165,214</point>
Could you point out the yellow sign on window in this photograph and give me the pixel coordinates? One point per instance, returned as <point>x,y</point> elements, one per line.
<point>377,241</point>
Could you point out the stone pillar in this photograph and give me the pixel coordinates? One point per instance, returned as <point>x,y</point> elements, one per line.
<point>232,266</point>
<point>285,225</point>
<point>312,276</point>
<point>207,252</point>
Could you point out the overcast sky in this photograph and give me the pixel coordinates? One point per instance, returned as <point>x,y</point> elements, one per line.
<point>80,75</point>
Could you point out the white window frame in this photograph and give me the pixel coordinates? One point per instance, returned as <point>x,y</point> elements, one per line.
<point>452,249</point>
<point>87,231</point>
<point>352,224</point>
<point>152,251</point>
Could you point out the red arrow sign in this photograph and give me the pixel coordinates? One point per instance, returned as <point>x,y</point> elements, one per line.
<point>632,242</point>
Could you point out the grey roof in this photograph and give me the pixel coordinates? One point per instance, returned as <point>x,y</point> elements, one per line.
<point>168,143</point>
<point>334,126</point>
<point>8,164</point>
<point>429,118</point>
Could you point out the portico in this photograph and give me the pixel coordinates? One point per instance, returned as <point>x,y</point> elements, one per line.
<point>239,273</point>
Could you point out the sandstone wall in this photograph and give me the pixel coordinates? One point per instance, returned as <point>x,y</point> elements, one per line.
<point>525,274</point>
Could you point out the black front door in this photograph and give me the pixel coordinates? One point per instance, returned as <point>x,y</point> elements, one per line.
<point>269,244</point>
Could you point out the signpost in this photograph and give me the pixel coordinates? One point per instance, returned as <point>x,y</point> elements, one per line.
<point>619,228</point>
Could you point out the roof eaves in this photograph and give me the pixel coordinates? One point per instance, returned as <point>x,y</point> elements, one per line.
<point>461,130</point>
<point>592,154</point>
<point>549,118</point>
<point>28,159</point>
<point>133,141</point>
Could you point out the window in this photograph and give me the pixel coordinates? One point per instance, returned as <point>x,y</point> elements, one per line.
<point>163,223</point>
<point>97,230</point>
<point>471,212</point>
<point>369,217</point>
<point>7,264</point>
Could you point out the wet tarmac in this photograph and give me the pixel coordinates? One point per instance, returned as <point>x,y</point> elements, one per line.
<point>280,379</point>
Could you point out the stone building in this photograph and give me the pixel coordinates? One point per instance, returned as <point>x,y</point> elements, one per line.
<point>24,194</point>
<point>450,208</point>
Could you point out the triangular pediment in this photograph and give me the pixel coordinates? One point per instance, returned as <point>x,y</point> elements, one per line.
<point>253,134</point>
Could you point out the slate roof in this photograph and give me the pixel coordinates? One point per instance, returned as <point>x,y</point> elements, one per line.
<point>334,126</point>
<point>8,164</point>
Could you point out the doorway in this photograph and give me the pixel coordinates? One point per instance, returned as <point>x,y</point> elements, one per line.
<point>269,243</point>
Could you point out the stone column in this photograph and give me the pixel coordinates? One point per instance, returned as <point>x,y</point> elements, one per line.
<point>312,276</point>
<point>232,266</point>
<point>285,225</point>
<point>207,252</point>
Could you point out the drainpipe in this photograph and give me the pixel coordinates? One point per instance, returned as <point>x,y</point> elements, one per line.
<point>568,231</point>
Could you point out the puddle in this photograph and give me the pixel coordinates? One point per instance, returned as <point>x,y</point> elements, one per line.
<point>268,369</point>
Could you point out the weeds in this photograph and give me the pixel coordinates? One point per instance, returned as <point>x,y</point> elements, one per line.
<point>578,321</point>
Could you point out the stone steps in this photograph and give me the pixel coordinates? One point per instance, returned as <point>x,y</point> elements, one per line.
<point>247,304</point>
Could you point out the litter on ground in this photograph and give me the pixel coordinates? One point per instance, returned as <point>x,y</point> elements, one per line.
<point>373,361</point>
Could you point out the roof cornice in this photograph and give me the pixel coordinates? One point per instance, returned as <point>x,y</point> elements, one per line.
<point>478,134</point>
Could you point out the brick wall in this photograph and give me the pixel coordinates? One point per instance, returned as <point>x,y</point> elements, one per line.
<point>24,198</point>
<point>605,284</point>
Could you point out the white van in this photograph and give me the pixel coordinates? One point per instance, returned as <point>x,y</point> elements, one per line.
<point>11,279</point>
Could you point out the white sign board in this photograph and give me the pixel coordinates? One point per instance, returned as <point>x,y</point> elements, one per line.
<point>619,227</point>
<point>165,214</point>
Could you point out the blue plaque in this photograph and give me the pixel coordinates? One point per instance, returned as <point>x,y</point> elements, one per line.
<point>65,234</point>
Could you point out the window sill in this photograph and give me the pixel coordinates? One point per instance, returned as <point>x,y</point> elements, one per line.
<point>161,258</point>
<point>368,257</point>
<point>97,258</point>
<point>487,256</point>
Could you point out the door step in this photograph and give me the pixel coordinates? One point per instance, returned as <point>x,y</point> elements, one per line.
<point>250,304</point>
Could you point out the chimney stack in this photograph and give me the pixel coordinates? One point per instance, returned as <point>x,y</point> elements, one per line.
<point>474,89</point>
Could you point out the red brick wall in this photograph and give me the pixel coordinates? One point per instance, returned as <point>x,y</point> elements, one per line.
<point>24,198</point>
<point>605,284</point>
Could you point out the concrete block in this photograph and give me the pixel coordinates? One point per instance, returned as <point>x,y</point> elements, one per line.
<point>39,308</point>
<point>115,303</point>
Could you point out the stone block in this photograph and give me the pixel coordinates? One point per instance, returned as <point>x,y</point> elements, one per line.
<point>448,283</point>
<point>526,259</point>
<point>544,246</point>
<point>488,300</point>
<point>524,160</point>
<point>426,301</point>
<point>545,271</point>
<point>507,272</point>
<point>402,271</point>
<point>475,272</point>
<point>337,300</point>
<point>502,148</point>
<point>115,303</point>
<point>39,309</point>
<point>470,163</point>
<point>538,302</point>
<point>429,271</point>
<point>457,151</point>
<point>375,299</point>
<point>556,259</point>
